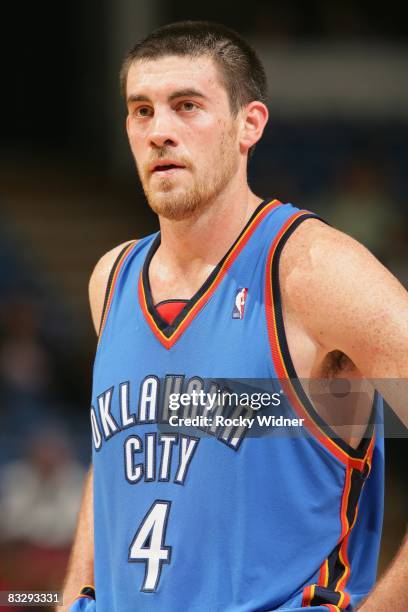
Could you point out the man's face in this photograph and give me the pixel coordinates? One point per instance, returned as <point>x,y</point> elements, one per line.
<point>181,132</point>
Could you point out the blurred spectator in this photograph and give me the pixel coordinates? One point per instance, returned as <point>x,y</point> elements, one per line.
<point>39,500</point>
<point>25,365</point>
<point>40,494</point>
<point>26,374</point>
<point>361,206</point>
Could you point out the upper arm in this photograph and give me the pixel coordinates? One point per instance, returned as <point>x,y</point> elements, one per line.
<point>98,283</point>
<point>349,302</point>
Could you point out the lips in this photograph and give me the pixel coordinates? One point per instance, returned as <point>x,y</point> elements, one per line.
<point>165,166</point>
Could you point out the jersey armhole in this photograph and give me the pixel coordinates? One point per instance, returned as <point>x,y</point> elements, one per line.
<point>117,264</point>
<point>285,369</point>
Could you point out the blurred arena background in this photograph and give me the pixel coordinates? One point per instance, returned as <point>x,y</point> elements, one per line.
<point>337,143</point>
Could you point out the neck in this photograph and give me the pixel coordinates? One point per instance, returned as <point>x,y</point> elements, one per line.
<point>205,238</point>
<point>191,248</point>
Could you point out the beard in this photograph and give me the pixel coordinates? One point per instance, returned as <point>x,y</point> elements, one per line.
<point>174,202</point>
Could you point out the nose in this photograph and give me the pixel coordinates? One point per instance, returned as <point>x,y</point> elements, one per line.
<point>162,130</point>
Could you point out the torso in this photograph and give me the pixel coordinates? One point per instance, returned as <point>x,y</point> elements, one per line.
<point>302,489</point>
<point>310,359</point>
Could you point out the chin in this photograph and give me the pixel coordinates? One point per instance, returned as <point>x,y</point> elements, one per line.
<point>175,205</point>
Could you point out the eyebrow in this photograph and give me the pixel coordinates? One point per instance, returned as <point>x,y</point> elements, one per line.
<point>181,93</point>
<point>186,93</point>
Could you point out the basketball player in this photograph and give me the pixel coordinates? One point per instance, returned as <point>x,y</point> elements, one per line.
<point>213,519</point>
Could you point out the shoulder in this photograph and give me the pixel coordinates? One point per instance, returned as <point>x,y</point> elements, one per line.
<point>315,248</point>
<point>318,259</point>
<point>98,281</point>
<point>336,287</point>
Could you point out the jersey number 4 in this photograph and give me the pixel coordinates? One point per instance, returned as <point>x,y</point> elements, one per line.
<point>148,544</point>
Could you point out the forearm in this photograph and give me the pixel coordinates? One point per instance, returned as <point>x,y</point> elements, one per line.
<point>390,592</point>
<point>81,563</point>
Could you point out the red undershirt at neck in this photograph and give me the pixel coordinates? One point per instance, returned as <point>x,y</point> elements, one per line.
<point>170,309</point>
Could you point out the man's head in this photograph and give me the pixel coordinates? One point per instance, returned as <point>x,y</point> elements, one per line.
<point>196,94</point>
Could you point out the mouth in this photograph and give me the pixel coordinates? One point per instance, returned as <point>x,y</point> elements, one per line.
<point>166,167</point>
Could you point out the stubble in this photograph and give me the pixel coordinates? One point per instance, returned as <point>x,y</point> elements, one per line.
<point>176,203</point>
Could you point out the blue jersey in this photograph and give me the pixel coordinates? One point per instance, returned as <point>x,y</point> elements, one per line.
<point>206,515</point>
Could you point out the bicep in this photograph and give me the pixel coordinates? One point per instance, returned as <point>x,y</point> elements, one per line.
<point>350,302</point>
<point>362,310</point>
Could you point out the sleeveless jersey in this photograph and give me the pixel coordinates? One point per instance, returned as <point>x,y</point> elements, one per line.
<point>214,517</point>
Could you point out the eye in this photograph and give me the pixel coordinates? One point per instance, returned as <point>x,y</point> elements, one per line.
<point>187,106</point>
<point>143,111</point>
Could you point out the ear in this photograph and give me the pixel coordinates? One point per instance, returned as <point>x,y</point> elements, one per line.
<point>254,118</point>
<point>127,124</point>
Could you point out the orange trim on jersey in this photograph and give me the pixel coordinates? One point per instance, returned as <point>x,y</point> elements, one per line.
<point>279,363</point>
<point>169,341</point>
<point>81,595</point>
<point>346,531</point>
<point>370,454</point>
<point>112,286</point>
<point>324,574</point>
<point>308,594</point>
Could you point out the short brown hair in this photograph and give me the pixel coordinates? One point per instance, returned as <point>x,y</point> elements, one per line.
<point>240,68</point>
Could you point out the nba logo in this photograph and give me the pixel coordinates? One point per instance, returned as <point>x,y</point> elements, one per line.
<point>239,306</point>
